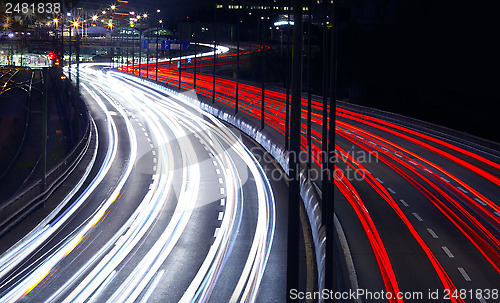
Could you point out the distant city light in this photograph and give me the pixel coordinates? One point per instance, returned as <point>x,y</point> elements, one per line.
<point>280,23</point>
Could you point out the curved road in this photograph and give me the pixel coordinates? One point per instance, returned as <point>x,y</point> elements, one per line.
<point>421,216</point>
<point>175,208</point>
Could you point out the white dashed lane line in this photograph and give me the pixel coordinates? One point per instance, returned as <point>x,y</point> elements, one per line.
<point>448,252</point>
<point>418,217</point>
<point>221,215</point>
<point>480,202</point>
<point>462,190</point>
<point>222,202</point>
<point>432,233</point>
<point>464,274</point>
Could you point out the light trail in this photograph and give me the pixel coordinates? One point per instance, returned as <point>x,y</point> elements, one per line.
<point>476,217</point>
<point>92,279</point>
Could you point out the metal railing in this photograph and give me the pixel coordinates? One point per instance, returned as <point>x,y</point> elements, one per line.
<point>35,194</point>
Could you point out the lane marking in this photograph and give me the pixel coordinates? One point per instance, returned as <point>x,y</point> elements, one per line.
<point>391,190</point>
<point>418,217</point>
<point>448,252</point>
<point>221,181</point>
<point>462,190</point>
<point>154,160</point>
<point>464,274</point>
<point>480,201</point>
<point>216,232</point>
<point>222,190</point>
<point>217,171</point>
<point>153,152</point>
<point>433,234</point>
<point>151,145</point>
<point>222,202</point>
<point>382,182</point>
<point>497,213</point>
<point>215,163</point>
<point>221,215</point>
<point>154,167</point>
<point>404,202</point>
<point>445,180</point>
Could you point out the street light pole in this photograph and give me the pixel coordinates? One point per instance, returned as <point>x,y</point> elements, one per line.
<point>70,55</point>
<point>294,159</point>
<point>140,52</point>
<point>196,32</point>
<point>263,92</point>
<point>215,54</point>
<point>147,56</point>
<point>156,69</point>
<point>237,62</point>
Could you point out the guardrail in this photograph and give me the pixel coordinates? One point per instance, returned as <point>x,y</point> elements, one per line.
<point>308,193</point>
<point>485,148</point>
<point>311,196</point>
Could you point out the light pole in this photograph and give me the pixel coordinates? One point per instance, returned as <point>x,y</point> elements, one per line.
<point>156,68</point>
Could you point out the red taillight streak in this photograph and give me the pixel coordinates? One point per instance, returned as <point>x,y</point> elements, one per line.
<point>384,264</point>
<point>484,247</point>
<point>489,215</point>
<point>488,176</point>
<point>445,279</point>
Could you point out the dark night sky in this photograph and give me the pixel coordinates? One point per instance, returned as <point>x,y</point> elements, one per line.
<point>173,10</point>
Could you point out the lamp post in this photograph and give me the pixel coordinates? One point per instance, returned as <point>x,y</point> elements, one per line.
<point>215,54</point>
<point>110,26</point>
<point>156,68</point>
<point>69,46</point>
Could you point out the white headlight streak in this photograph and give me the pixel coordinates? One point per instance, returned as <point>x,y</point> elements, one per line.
<point>171,124</point>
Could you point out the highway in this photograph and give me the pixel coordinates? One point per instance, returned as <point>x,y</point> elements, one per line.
<point>420,213</point>
<point>174,208</point>
<point>177,209</point>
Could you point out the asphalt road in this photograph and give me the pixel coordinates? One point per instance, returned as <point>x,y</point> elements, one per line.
<point>175,209</point>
